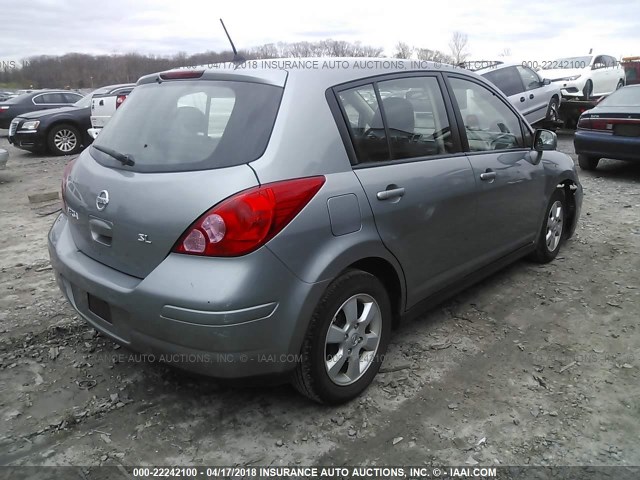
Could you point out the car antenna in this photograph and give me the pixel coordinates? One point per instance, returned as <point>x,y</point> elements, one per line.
<point>237,59</point>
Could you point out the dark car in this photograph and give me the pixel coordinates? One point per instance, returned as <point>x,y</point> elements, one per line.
<point>37,100</point>
<point>610,130</point>
<point>6,96</point>
<point>631,70</point>
<point>61,131</point>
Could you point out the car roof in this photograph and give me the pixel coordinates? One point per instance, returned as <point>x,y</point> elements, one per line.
<point>324,71</point>
<point>119,85</point>
<point>500,66</point>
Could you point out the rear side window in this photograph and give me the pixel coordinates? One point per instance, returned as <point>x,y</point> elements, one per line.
<point>191,125</point>
<point>365,123</point>
<point>506,79</point>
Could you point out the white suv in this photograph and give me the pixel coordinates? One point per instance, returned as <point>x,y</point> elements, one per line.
<point>585,77</point>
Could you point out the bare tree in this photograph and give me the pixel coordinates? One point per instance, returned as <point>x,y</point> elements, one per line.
<point>433,55</point>
<point>403,50</point>
<point>78,70</point>
<point>458,45</point>
<point>506,52</point>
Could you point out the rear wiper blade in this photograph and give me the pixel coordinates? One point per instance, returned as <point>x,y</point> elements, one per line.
<point>123,158</point>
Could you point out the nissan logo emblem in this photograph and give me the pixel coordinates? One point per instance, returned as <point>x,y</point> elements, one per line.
<point>102,200</point>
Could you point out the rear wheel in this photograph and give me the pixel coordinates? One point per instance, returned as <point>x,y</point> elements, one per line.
<point>587,90</point>
<point>552,232</point>
<point>346,340</point>
<point>64,140</point>
<point>588,163</point>
<point>620,85</point>
<point>552,110</point>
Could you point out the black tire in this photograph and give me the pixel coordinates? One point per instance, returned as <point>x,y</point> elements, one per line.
<point>588,163</point>
<point>620,85</point>
<point>587,90</point>
<point>543,252</point>
<point>552,110</point>
<point>311,377</point>
<point>57,143</point>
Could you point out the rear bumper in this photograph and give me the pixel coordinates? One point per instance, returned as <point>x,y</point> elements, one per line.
<point>227,318</point>
<point>606,145</point>
<point>93,132</point>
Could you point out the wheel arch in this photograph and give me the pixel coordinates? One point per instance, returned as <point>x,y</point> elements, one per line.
<point>66,121</point>
<point>390,278</point>
<point>572,196</point>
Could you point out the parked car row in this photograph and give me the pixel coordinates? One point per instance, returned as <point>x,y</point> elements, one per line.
<point>55,121</point>
<point>34,101</point>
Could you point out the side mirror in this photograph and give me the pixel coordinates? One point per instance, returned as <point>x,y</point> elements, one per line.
<point>546,81</point>
<point>544,140</point>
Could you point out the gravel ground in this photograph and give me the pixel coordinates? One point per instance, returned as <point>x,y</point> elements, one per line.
<point>537,365</point>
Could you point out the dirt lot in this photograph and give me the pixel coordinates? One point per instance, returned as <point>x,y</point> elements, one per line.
<point>537,365</point>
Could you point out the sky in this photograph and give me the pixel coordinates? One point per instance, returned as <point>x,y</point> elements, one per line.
<point>540,30</point>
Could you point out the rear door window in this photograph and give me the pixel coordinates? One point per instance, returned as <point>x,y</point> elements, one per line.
<point>71,97</point>
<point>416,118</point>
<point>191,125</point>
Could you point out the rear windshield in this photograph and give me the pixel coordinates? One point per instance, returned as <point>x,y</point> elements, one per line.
<point>625,97</point>
<point>191,125</point>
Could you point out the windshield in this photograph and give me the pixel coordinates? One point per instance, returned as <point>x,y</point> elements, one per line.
<point>191,125</point>
<point>625,97</point>
<point>569,62</point>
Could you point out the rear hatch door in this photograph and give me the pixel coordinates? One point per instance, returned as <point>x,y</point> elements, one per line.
<point>190,142</point>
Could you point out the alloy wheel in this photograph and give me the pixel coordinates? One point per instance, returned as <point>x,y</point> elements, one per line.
<point>555,223</point>
<point>65,140</point>
<point>352,339</point>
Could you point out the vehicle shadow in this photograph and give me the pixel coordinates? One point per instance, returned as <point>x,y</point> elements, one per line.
<point>616,170</point>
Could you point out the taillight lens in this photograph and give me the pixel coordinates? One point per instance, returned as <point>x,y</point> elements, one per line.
<point>246,221</point>
<point>65,179</point>
<point>120,100</point>
<point>584,122</point>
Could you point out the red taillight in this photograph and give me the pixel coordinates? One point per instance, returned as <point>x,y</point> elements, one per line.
<point>120,99</point>
<point>246,221</point>
<point>65,178</point>
<point>606,124</point>
<point>180,74</point>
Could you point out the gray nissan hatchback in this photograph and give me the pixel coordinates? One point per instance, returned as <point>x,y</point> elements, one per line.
<point>269,219</point>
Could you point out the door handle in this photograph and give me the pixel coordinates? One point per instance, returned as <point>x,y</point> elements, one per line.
<point>390,193</point>
<point>488,176</point>
<point>531,96</point>
<point>522,99</point>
